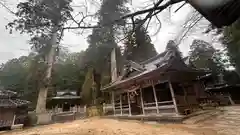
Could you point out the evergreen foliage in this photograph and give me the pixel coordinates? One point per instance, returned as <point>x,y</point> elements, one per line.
<point>138,46</point>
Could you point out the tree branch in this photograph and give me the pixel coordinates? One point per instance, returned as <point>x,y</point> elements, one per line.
<point>6,7</point>
<point>150,12</point>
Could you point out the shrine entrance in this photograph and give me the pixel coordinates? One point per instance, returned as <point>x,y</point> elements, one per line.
<point>135,103</point>
<point>66,107</point>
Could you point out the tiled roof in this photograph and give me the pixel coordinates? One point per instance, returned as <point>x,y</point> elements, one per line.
<point>7,93</point>
<point>136,66</point>
<point>12,102</point>
<point>7,99</point>
<point>67,92</point>
<point>157,64</point>
<point>66,97</point>
<point>222,87</point>
<point>154,58</point>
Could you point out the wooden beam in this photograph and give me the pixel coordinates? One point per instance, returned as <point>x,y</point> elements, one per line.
<point>14,118</point>
<point>129,104</point>
<point>121,104</point>
<point>141,97</point>
<point>230,99</point>
<point>56,109</point>
<point>173,97</point>
<point>155,97</point>
<point>113,103</point>
<point>52,109</point>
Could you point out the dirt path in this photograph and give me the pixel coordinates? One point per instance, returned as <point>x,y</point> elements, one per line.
<point>96,126</point>
<point>227,123</point>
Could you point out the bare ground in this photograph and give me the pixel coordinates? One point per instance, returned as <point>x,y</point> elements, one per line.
<point>226,123</point>
<point>97,126</point>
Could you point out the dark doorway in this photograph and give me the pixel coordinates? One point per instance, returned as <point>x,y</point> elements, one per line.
<point>66,107</point>
<point>163,92</point>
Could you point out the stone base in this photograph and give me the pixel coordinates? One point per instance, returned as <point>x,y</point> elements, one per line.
<point>18,126</point>
<point>44,118</point>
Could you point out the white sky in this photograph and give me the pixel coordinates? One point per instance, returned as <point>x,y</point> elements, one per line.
<point>15,45</point>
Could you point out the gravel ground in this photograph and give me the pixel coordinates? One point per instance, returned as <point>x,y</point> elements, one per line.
<point>97,126</point>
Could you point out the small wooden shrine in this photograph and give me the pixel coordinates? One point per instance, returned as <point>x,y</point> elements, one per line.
<point>12,110</point>
<point>225,91</point>
<point>164,84</point>
<point>220,91</point>
<point>64,101</point>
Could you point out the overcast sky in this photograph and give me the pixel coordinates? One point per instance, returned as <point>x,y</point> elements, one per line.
<point>15,45</point>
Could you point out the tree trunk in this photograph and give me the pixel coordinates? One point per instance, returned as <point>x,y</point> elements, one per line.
<point>42,96</point>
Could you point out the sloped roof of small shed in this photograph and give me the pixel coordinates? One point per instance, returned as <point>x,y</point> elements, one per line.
<point>12,102</point>
<point>8,99</point>
<point>6,93</point>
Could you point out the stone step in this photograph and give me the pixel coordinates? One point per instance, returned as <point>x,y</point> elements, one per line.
<point>232,117</point>
<point>226,123</point>
<point>230,126</point>
<point>233,112</point>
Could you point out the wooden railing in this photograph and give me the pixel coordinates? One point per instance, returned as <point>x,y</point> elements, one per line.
<point>121,109</point>
<point>124,109</point>
<point>79,109</point>
<point>107,107</point>
<point>117,107</point>
<point>164,105</point>
<point>5,123</point>
<point>159,103</point>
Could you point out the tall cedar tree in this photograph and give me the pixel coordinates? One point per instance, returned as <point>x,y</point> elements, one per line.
<point>43,21</point>
<point>205,56</point>
<point>102,40</point>
<point>231,40</point>
<point>138,46</point>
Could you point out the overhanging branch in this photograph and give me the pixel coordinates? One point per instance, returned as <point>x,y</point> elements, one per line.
<point>157,8</point>
<point>6,7</point>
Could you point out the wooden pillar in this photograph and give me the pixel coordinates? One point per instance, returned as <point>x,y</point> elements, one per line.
<point>155,97</point>
<point>173,96</point>
<point>75,108</point>
<point>52,109</point>
<point>141,97</point>
<point>85,109</point>
<point>230,99</point>
<point>104,110</point>
<point>129,104</point>
<point>121,104</point>
<point>14,118</point>
<point>113,103</point>
<point>56,109</point>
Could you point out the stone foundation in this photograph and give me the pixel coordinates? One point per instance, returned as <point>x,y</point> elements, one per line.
<point>44,118</point>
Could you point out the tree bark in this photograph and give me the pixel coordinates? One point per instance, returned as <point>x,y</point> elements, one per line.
<point>42,96</point>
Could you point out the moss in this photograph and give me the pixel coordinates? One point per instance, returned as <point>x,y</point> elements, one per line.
<point>31,120</point>
<point>94,111</point>
<point>87,87</point>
